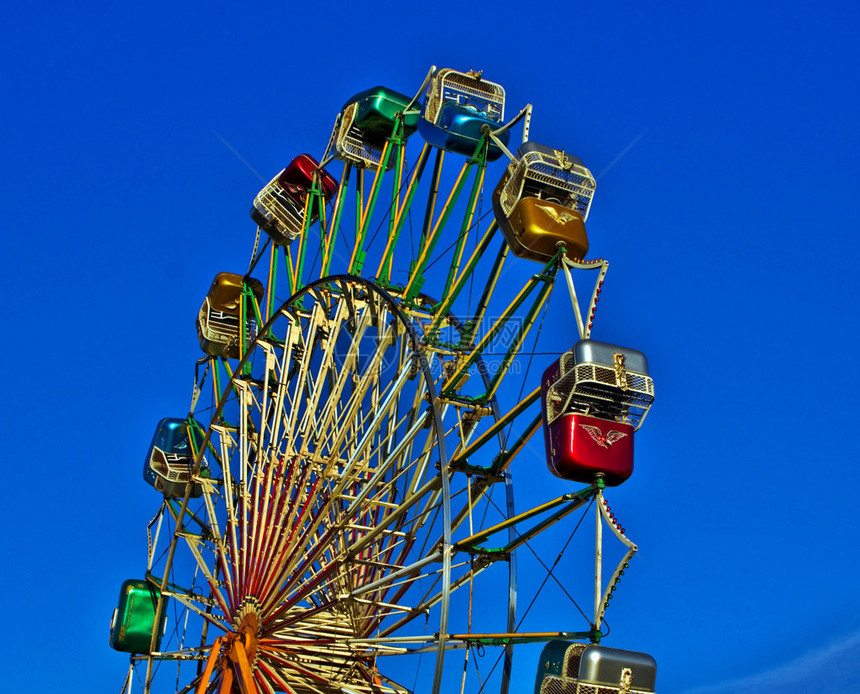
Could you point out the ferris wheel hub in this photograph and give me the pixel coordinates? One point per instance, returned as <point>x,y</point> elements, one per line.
<point>247,636</point>
<point>249,607</point>
<point>247,626</point>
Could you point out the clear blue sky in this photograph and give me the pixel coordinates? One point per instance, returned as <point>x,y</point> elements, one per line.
<point>730,225</point>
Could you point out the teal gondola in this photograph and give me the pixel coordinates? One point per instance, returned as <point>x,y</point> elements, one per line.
<point>457,107</point>
<point>170,459</point>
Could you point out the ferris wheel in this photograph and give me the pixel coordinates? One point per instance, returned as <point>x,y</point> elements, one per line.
<point>341,494</point>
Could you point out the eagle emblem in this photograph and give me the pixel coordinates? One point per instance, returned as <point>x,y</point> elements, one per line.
<point>558,217</point>
<point>603,441</point>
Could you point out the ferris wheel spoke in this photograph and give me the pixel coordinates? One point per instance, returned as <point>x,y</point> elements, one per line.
<point>298,595</point>
<point>264,683</point>
<point>227,549</point>
<point>317,578</point>
<point>280,400</point>
<point>332,412</point>
<point>400,576</point>
<point>269,361</point>
<point>261,525</point>
<point>270,588</point>
<point>265,455</point>
<point>408,503</point>
<point>279,588</point>
<point>333,330</point>
<point>392,460</point>
<point>275,525</point>
<point>404,587</point>
<point>296,510</point>
<point>315,675</point>
<point>251,499</point>
<point>290,510</point>
<point>276,679</point>
<point>300,383</point>
<point>192,604</point>
<point>352,408</point>
<point>380,561</point>
<point>279,405</point>
<point>430,601</point>
<point>285,580</point>
<point>281,474</point>
<point>242,506</point>
<point>251,542</point>
<point>370,430</point>
<point>193,543</point>
<point>275,509</point>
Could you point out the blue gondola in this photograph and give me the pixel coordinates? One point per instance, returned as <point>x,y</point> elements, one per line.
<point>457,107</point>
<point>170,459</point>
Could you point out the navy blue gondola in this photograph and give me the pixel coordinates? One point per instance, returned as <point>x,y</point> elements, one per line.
<point>170,458</point>
<point>456,108</point>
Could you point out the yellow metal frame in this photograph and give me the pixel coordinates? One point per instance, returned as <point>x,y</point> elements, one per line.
<point>573,501</point>
<point>504,421</point>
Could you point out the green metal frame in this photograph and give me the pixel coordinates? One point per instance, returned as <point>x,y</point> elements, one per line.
<point>430,238</point>
<point>383,278</point>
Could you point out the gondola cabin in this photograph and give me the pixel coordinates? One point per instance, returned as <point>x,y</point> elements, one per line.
<point>543,199</point>
<point>583,668</point>
<point>279,209</point>
<point>134,619</point>
<point>593,399</point>
<point>367,120</point>
<point>220,316</point>
<point>170,458</point>
<point>456,108</point>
